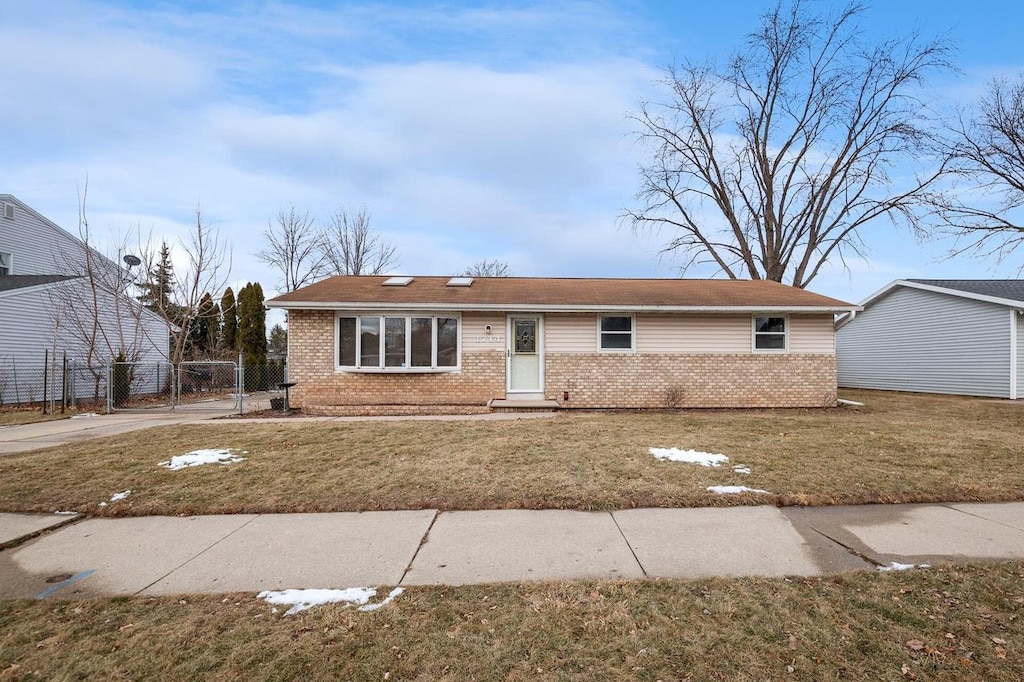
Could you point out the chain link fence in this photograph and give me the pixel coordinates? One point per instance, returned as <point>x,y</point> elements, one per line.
<point>212,386</point>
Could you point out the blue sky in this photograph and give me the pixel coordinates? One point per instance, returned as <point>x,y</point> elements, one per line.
<point>469,130</point>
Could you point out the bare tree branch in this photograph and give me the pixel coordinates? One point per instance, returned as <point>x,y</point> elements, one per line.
<point>488,268</point>
<point>769,166</point>
<point>353,248</point>
<point>987,154</point>
<point>295,247</point>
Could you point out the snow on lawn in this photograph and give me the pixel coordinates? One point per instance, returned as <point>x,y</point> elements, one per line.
<point>896,566</point>
<point>705,459</point>
<point>300,600</point>
<point>117,497</point>
<point>735,490</point>
<point>200,457</point>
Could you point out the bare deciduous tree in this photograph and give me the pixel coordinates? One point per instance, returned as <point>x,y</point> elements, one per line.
<point>207,267</point>
<point>769,166</point>
<point>354,248</point>
<point>488,268</point>
<point>295,247</point>
<point>92,310</point>
<point>987,153</point>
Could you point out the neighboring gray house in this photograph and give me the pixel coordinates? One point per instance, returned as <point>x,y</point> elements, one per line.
<point>960,336</point>
<point>48,303</point>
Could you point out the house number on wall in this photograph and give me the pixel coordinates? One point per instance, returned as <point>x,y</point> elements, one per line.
<point>490,338</point>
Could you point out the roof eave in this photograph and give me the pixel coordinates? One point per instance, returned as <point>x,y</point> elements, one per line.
<point>567,308</point>
<point>939,290</point>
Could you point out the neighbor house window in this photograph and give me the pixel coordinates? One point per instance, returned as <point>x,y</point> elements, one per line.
<point>5,263</point>
<point>770,333</point>
<point>616,332</point>
<point>393,342</point>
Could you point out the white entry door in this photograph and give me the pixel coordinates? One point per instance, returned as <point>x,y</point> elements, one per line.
<point>525,356</point>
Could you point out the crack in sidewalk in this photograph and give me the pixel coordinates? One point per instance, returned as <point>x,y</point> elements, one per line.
<point>423,541</point>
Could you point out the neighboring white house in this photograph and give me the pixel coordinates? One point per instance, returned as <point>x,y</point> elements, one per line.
<point>49,307</point>
<point>937,336</point>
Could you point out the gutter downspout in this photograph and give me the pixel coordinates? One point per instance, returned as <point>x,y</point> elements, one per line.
<point>1014,369</point>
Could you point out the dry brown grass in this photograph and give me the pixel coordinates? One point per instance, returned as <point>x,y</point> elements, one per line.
<point>26,416</point>
<point>954,623</point>
<point>899,448</point>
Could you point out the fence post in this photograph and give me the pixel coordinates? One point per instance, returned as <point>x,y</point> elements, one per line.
<point>240,385</point>
<point>110,387</point>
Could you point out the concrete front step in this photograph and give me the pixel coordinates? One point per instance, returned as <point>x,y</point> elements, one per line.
<point>499,405</point>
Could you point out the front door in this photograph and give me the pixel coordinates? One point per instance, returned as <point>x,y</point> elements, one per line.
<point>525,357</point>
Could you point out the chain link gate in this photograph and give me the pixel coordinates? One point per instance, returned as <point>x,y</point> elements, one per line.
<point>192,385</point>
<point>140,386</point>
<point>208,385</point>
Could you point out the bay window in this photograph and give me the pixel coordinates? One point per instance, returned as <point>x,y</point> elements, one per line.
<point>398,342</point>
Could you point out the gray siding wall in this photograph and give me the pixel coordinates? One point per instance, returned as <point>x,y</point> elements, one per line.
<point>914,340</point>
<point>56,318</point>
<point>38,248</point>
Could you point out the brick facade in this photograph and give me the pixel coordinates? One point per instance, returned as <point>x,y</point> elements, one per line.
<point>695,380</point>
<point>593,380</point>
<point>319,388</point>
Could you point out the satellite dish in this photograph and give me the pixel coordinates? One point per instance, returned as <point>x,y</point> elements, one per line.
<point>131,261</point>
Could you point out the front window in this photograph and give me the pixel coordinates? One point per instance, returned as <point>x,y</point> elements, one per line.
<point>398,342</point>
<point>769,333</point>
<point>5,263</point>
<point>617,333</point>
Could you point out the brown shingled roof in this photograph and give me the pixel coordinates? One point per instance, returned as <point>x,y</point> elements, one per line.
<point>556,293</point>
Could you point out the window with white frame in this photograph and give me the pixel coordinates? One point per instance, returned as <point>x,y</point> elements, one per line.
<point>770,333</point>
<point>616,332</point>
<point>5,263</point>
<point>398,342</point>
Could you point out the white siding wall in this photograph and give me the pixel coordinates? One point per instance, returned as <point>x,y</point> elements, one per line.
<point>688,333</point>
<point>38,247</point>
<point>914,340</point>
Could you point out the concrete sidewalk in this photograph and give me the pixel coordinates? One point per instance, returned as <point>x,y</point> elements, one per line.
<point>213,554</point>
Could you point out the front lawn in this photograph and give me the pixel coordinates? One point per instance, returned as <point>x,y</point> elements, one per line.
<point>898,448</point>
<point>950,623</point>
<point>30,416</point>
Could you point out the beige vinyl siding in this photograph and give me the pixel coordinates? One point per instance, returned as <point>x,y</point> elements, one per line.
<point>474,332</point>
<point>693,333</point>
<point>570,333</point>
<point>812,334</point>
<point>689,333</point>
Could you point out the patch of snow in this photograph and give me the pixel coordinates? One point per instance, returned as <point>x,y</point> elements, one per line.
<point>735,490</point>
<point>741,469</point>
<point>705,459</point>
<point>65,513</point>
<point>117,497</point>
<point>300,600</point>
<point>200,457</point>
<point>896,566</point>
<point>848,403</point>
<point>84,415</point>
<point>103,504</point>
<point>387,600</point>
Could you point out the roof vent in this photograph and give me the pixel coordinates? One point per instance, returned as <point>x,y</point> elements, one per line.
<point>460,281</point>
<point>397,281</point>
<point>9,211</point>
